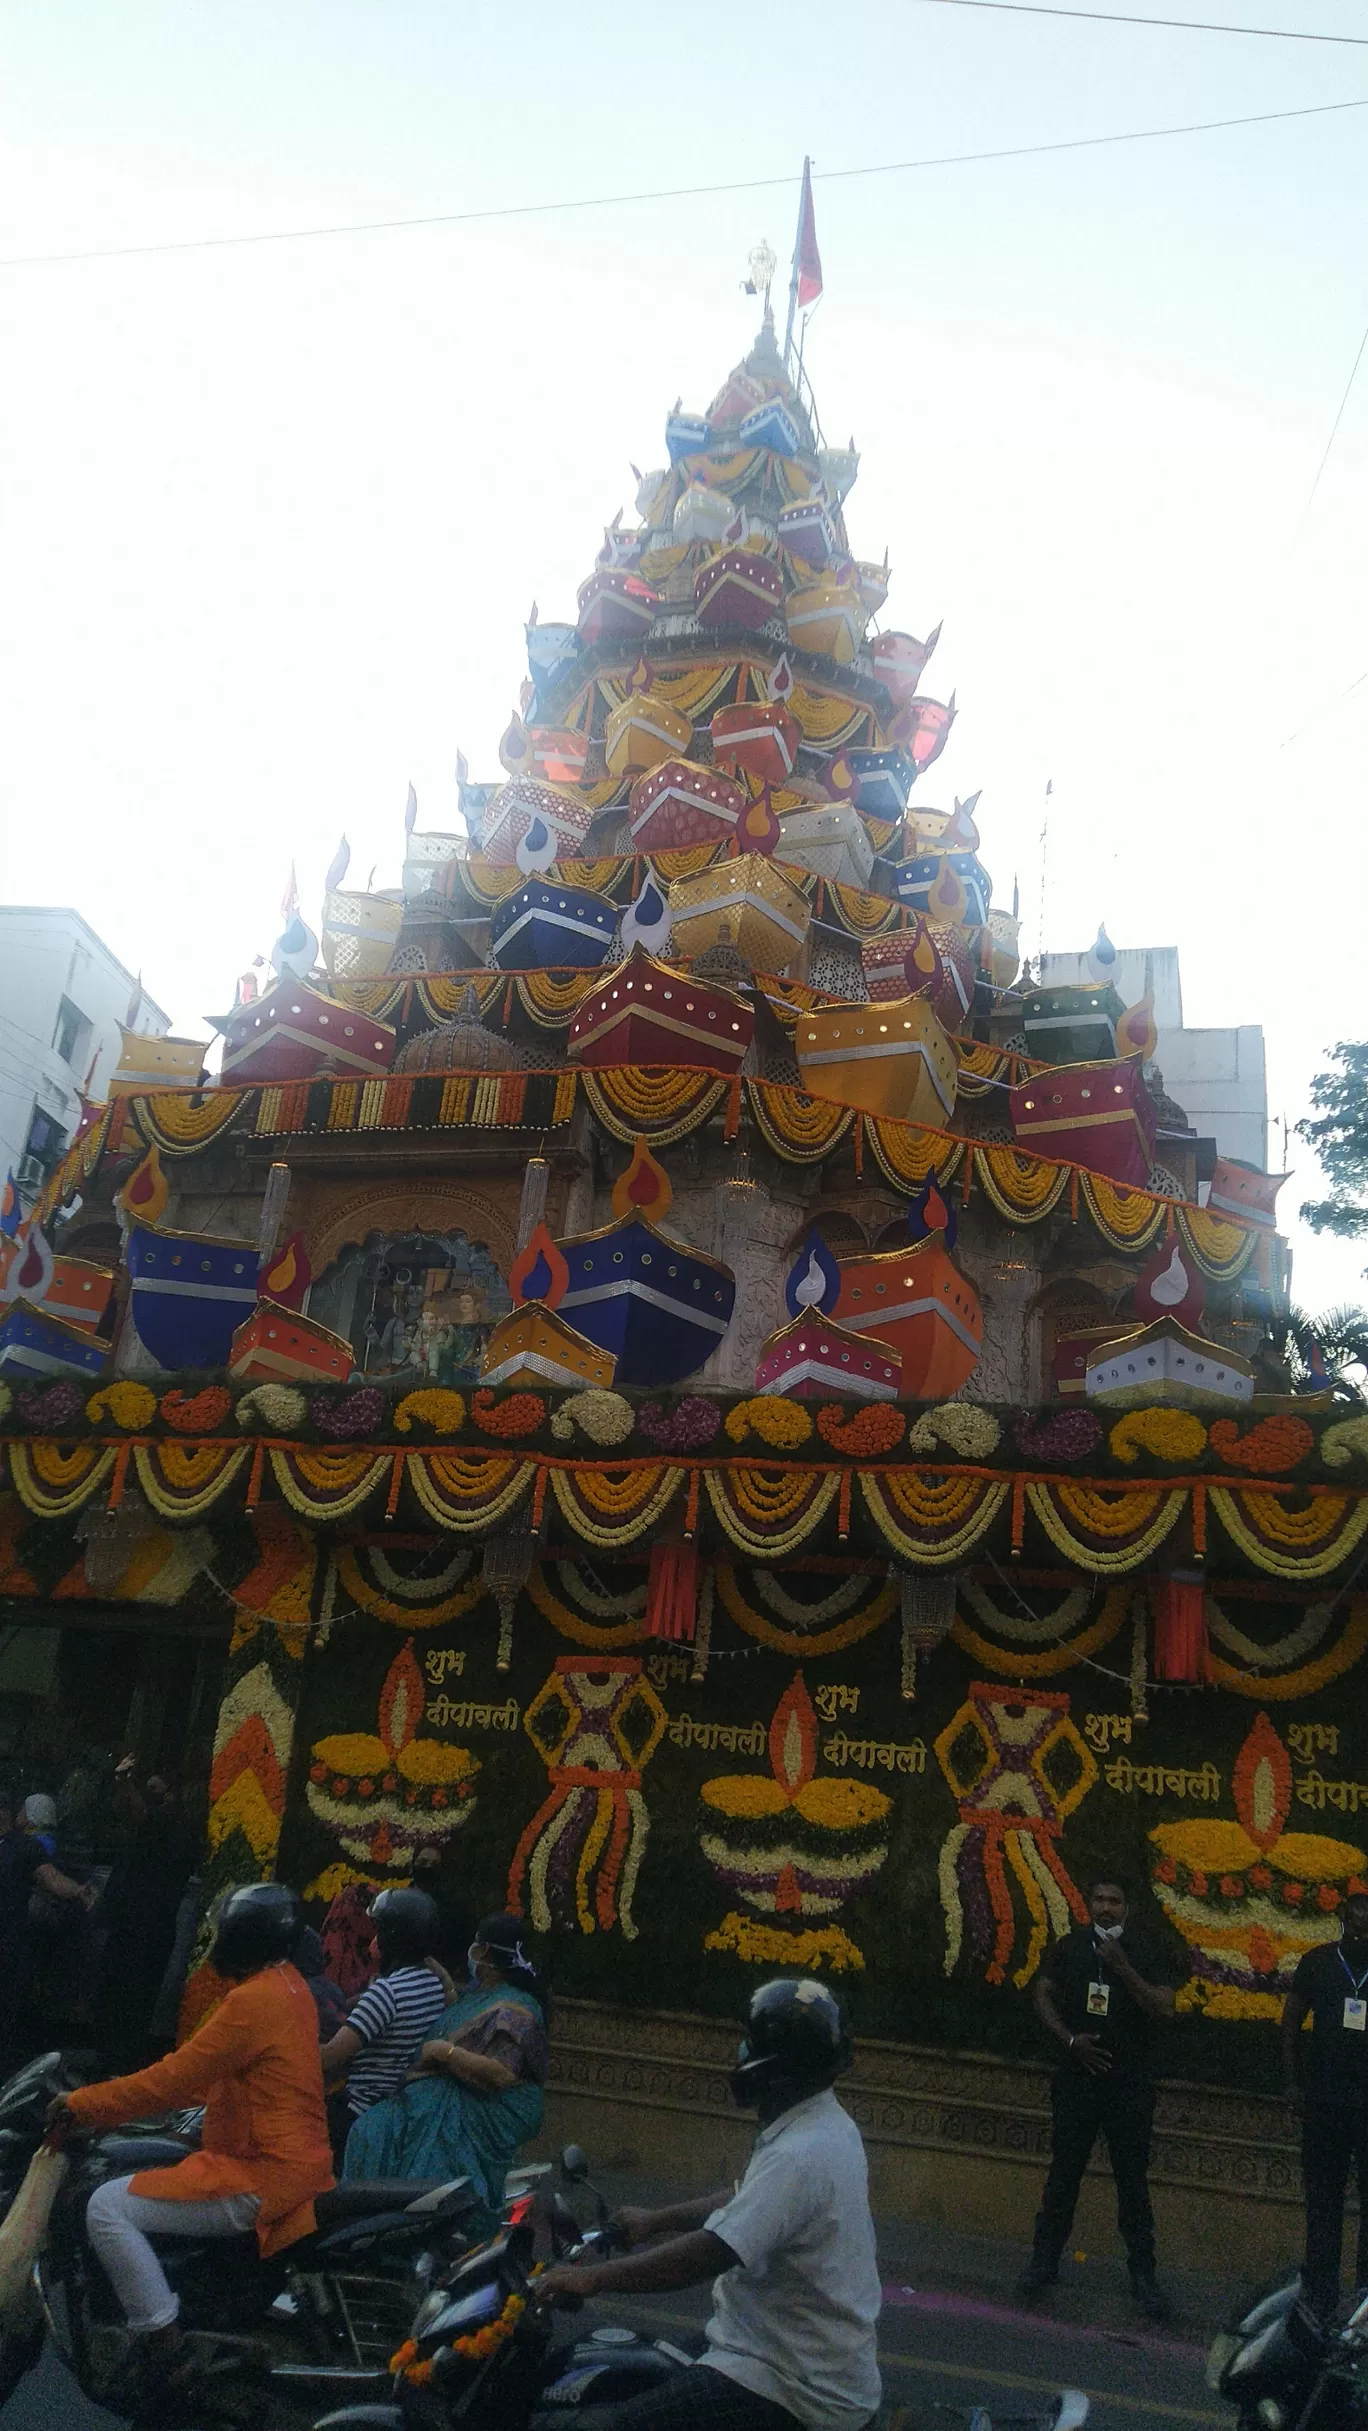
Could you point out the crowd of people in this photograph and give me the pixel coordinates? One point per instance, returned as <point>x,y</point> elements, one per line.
<point>376,2048</point>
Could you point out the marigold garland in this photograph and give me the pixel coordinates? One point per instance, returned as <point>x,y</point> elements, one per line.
<point>780,1423</point>
<point>471,1492</point>
<point>129,1404</point>
<point>1148,1513</point>
<point>755,1524</point>
<point>1014,1662</point>
<point>197,1413</point>
<point>183,1481</point>
<point>810,1643</point>
<point>327,1485</point>
<point>1168,1434</point>
<point>652,1103</point>
<point>1290,1544</point>
<point>6,1397</point>
<point>51,1481</point>
<point>801,1129</point>
<point>435,1406</point>
<point>403,1615</point>
<point>759,1945</point>
<point>1022,1188</point>
<point>572,1626</point>
<point>925,1550</point>
<point>1273,1444</point>
<point>1127,1218</point>
<point>517,1415</point>
<point>1309,1678</point>
<point>861,1434</point>
<point>617,1513</point>
<point>475,2348</point>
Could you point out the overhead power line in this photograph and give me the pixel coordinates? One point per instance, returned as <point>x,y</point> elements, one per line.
<point>1334,431</point>
<point>1183,25</point>
<point>667,194</point>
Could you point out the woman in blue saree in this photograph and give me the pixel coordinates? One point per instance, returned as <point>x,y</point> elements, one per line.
<point>476,2094</point>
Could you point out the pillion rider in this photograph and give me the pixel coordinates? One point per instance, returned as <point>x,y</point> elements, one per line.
<point>792,2338</point>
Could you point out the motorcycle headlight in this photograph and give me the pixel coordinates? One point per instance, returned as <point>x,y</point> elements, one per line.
<point>430,2310</point>
<point>1271,2414</point>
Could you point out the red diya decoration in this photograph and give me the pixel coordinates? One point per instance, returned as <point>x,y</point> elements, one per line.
<point>1136,1033</point>
<point>758,829</point>
<point>842,784</point>
<point>289,1274</point>
<point>144,1195</point>
<point>922,729</point>
<point>644,1189</point>
<point>1170,1284</point>
<point>539,1271</point>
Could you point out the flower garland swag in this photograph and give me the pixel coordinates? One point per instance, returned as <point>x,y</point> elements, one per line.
<point>1036,1649</point>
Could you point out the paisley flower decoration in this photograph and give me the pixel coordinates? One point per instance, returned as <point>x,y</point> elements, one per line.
<point>780,1423</point>
<point>50,1406</point>
<point>860,1434</point>
<point>358,1413</point>
<point>689,1428</point>
<point>197,1413</point>
<point>973,1433</point>
<point>128,1403</point>
<point>604,1417</point>
<point>1064,1435</point>
<point>1166,1434</point>
<point>279,1408</point>
<point>436,1407</point>
<point>516,1415</point>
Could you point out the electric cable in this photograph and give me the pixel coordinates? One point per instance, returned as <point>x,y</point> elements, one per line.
<point>666,194</point>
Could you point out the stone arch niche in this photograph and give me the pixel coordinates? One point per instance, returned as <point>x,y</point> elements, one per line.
<point>1067,1305</point>
<point>413,1287</point>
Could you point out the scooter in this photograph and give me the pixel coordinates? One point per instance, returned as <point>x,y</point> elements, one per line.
<point>483,2353</point>
<point>341,2297</point>
<point>1280,2365</point>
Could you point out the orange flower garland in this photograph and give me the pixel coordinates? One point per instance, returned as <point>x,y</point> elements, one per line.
<point>1274,1444</point>
<point>197,1413</point>
<point>865,1434</point>
<point>520,1414</point>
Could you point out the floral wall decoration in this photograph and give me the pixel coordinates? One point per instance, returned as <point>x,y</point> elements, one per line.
<point>596,1723</point>
<point>795,1845</point>
<point>1249,1895</point>
<point>1018,1768</point>
<point>383,1794</point>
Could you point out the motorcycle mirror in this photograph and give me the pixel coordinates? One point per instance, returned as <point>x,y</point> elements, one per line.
<point>574,2164</point>
<point>565,2227</point>
<point>1072,2411</point>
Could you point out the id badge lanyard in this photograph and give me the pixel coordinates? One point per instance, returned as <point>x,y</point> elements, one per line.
<point>1355,2006</point>
<point>1099,1991</point>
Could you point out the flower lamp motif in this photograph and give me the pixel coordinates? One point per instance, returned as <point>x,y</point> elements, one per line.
<point>813,1284</point>
<point>1019,1768</point>
<point>1250,1897</point>
<point>794,1846</point>
<point>595,1723</point>
<point>385,1794</point>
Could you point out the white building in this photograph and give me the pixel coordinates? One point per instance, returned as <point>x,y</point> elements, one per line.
<point>1216,1076</point>
<point>63,996</point>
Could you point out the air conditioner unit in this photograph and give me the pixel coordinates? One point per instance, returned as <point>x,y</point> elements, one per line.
<point>31,1173</point>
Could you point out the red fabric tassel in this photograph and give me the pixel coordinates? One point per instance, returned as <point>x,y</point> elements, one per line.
<point>1180,1632</point>
<point>672,1592</point>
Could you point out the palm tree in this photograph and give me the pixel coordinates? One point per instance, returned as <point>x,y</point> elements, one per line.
<point>1323,1353</point>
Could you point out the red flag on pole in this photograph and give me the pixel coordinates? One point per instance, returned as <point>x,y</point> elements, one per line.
<point>807,259</point>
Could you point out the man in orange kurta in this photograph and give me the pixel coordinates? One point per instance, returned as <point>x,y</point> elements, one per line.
<point>264,2151</point>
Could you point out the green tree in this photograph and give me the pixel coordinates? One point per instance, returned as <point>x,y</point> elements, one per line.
<point>1341,1339</point>
<point>1338,1131</point>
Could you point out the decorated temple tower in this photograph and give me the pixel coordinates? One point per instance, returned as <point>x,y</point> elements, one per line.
<point>698,1388</point>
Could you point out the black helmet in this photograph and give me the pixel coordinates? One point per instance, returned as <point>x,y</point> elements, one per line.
<point>256,1926</point>
<point>407,1927</point>
<point>796,2042</point>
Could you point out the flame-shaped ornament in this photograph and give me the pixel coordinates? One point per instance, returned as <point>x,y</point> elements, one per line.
<point>814,1279</point>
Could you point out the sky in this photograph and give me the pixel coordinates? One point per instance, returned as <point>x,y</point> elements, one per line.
<point>272,515</point>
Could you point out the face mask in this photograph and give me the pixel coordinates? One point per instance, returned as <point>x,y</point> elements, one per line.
<point>472,1969</point>
<point>1109,1932</point>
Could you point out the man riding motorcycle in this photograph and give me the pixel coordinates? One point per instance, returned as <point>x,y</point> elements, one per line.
<point>264,2150</point>
<point>792,2338</point>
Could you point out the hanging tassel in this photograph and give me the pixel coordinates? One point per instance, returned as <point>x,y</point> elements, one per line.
<point>254,1475</point>
<point>1199,1516</point>
<point>1073,1194</point>
<point>843,1506</point>
<point>1180,1634</point>
<point>672,1592</point>
<point>396,1481</point>
<point>928,1616</point>
<point>732,1123</point>
<point>1139,1675</point>
<point>1018,1514</point>
<point>859,1145</point>
<point>507,1600</point>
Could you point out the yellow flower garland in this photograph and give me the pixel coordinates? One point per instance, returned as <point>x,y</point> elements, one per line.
<point>52,1483</point>
<point>1083,1503</point>
<point>1022,1188</point>
<point>569,1624</point>
<point>1309,1564</point>
<point>769,1542</point>
<point>1126,1218</point>
<point>435,1406</point>
<point>1022,1663</point>
<point>183,1481</point>
<point>129,1404</point>
<point>391,1608</point>
<point>945,1552</point>
<point>636,1517</point>
<point>760,1945</point>
<point>470,1495</point>
<point>341,1480</point>
<point>780,1423</point>
<point>1168,1434</point>
<point>804,1644</point>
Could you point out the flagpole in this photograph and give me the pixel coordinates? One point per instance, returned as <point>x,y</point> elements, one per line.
<point>793,276</point>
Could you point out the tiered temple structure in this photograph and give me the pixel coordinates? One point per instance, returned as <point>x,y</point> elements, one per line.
<point>679,1378</point>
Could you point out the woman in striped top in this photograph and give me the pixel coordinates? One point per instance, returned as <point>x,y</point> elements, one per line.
<point>393,2018</point>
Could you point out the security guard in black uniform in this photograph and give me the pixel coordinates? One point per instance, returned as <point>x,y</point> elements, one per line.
<point>1101,1993</point>
<point>1331,1986</point>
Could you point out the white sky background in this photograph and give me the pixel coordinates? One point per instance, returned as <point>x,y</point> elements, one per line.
<point>273,517</point>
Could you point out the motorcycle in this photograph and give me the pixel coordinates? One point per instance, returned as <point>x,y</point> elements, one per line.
<point>484,2354</point>
<point>341,2297</point>
<point>1281,2364</point>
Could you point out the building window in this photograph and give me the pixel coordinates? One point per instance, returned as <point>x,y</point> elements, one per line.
<point>42,1149</point>
<point>71,1037</point>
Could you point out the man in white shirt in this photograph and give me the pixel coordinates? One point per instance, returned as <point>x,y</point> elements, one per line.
<point>792,2338</point>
